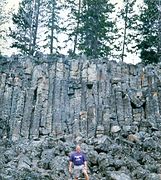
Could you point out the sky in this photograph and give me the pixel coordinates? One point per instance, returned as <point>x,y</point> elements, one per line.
<point>14,4</point>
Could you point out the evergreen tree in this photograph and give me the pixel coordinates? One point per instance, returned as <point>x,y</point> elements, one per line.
<point>34,25</point>
<point>3,20</point>
<point>150,31</point>
<point>51,22</point>
<point>73,7</point>
<point>26,23</point>
<point>78,15</point>
<point>96,28</point>
<point>129,32</point>
<point>91,27</point>
<point>2,16</point>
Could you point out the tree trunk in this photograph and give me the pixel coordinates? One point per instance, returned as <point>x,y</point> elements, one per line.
<point>31,25</point>
<point>34,25</point>
<point>78,22</point>
<point>125,29</point>
<point>37,10</point>
<point>52,28</point>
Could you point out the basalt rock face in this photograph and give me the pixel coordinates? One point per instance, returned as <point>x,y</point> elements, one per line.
<point>48,96</point>
<point>113,109</point>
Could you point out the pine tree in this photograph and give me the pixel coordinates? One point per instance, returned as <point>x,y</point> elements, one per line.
<point>2,15</point>
<point>34,25</point>
<point>91,27</point>
<point>51,24</point>
<point>96,28</point>
<point>73,7</point>
<point>130,29</point>
<point>78,15</point>
<point>26,23</point>
<point>150,31</point>
<point>3,21</point>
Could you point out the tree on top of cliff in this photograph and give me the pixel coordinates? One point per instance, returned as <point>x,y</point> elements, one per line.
<point>26,22</point>
<point>73,8</point>
<point>129,31</point>
<point>150,30</point>
<point>51,19</point>
<point>36,26</point>
<point>3,19</point>
<point>94,31</point>
<point>2,15</point>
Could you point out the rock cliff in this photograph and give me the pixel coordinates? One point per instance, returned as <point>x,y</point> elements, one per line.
<point>59,96</point>
<point>105,104</point>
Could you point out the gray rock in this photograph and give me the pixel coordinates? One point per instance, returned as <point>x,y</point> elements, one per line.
<point>118,176</point>
<point>49,104</point>
<point>24,163</point>
<point>153,176</point>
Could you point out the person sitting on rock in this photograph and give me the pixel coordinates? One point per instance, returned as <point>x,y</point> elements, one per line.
<point>80,163</point>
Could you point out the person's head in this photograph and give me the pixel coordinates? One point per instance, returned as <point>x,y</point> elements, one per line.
<point>78,148</point>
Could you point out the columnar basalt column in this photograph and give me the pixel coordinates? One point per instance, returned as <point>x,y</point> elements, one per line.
<point>80,97</point>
